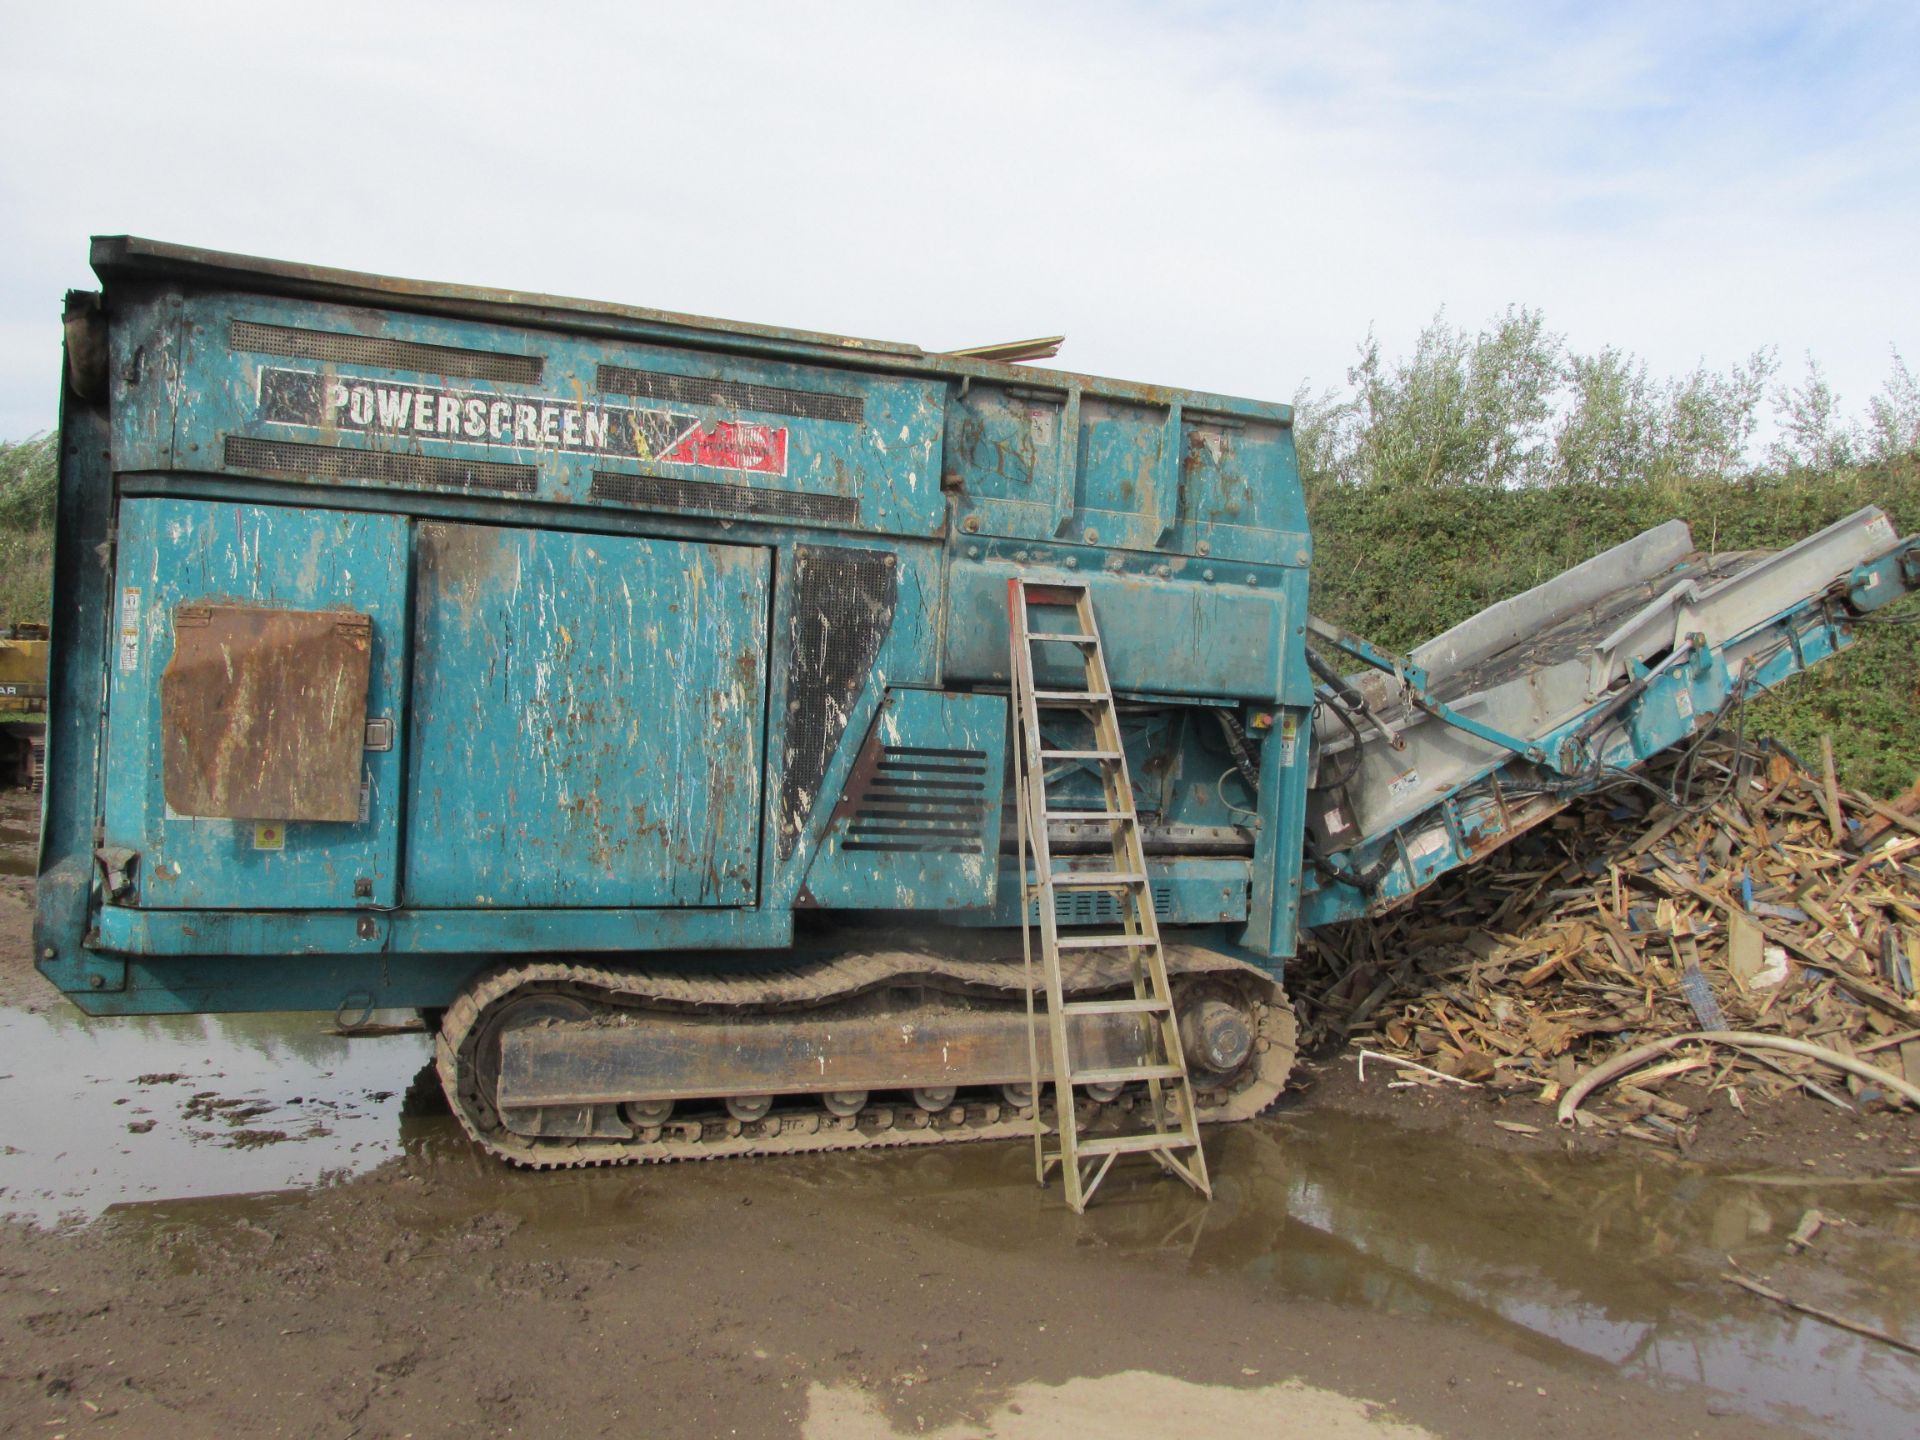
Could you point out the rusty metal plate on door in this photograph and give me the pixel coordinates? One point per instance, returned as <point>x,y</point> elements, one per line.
<point>263,712</point>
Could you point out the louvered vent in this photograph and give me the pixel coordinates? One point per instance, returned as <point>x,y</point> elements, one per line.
<point>730,395</point>
<point>922,800</point>
<point>376,467</point>
<point>376,350</point>
<point>1092,907</point>
<point>659,493</point>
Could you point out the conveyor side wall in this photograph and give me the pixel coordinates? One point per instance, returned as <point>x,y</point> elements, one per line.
<point>1630,654</point>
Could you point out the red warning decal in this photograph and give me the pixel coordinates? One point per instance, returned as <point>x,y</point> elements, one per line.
<point>733,445</point>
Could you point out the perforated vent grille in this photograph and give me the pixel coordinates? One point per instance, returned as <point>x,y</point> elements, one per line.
<point>388,354</point>
<point>732,395</point>
<point>658,493</point>
<point>327,462</point>
<point>1092,907</point>
<point>842,609</point>
<point>923,801</point>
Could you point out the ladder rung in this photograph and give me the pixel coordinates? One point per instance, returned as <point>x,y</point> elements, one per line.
<point>1096,879</point>
<point>1134,1144</point>
<point>1033,583</point>
<point>1082,817</point>
<point>1080,754</point>
<point>1116,1007</point>
<point>1063,637</point>
<point>1072,697</point>
<point>1104,942</point>
<point>1127,1072</point>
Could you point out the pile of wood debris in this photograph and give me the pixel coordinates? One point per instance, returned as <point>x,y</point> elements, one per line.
<point>1774,905</point>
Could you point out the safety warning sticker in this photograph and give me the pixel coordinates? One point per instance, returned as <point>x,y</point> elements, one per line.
<point>129,629</point>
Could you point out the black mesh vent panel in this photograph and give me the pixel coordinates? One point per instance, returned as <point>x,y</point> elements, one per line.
<point>326,462</point>
<point>655,492</point>
<point>842,609</point>
<point>732,395</point>
<point>1093,907</point>
<point>922,801</point>
<point>387,354</point>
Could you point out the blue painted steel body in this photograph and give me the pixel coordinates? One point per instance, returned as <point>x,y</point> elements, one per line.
<point>184,552</point>
<point>641,589</point>
<point>920,830</point>
<point>587,720</point>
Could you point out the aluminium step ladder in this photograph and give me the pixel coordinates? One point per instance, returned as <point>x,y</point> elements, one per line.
<point>1174,1130</point>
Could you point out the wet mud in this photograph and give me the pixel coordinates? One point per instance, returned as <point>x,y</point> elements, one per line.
<point>194,1135</point>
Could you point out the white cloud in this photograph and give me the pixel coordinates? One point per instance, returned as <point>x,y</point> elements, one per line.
<point>1221,196</point>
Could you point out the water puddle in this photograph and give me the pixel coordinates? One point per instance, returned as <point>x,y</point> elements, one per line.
<point>100,1112</point>
<point>1611,1262</point>
<point>19,848</point>
<point>1132,1405</point>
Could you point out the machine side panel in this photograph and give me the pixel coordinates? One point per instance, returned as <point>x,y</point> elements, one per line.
<point>588,720</point>
<point>853,620</point>
<point>1060,458</point>
<point>180,561</point>
<point>1163,637</point>
<point>842,612</point>
<point>918,825</point>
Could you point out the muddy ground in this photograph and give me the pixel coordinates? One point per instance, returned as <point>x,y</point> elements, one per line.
<point>246,1226</point>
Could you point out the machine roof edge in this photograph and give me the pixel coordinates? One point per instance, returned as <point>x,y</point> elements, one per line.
<point>115,256</point>
<point>129,257</point>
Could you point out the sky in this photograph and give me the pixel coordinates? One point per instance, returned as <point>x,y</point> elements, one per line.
<point>1221,196</point>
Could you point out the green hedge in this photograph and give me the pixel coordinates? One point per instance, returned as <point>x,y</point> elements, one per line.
<point>27,478</point>
<point>1401,564</point>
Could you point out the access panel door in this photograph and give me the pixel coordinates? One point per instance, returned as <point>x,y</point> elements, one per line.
<point>588,720</point>
<point>257,672</point>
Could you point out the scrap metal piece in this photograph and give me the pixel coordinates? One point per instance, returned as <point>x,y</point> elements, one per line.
<point>263,712</point>
<point>1010,352</point>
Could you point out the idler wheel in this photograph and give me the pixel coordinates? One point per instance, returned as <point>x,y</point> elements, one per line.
<point>1216,1036</point>
<point>510,1014</point>
<point>844,1104</point>
<point>934,1098</point>
<point>646,1113</point>
<point>748,1108</point>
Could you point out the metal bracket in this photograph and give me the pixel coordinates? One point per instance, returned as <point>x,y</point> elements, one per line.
<point>1367,653</point>
<point>1447,715</point>
<point>1413,682</point>
<point>380,734</point>
<point>117,865</point>
<point>1066,470</point>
